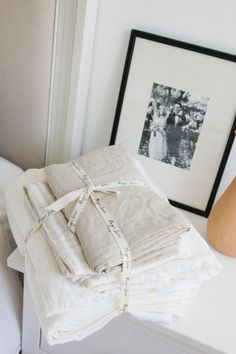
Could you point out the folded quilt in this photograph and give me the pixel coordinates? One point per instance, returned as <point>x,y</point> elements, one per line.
<point>148,222</point>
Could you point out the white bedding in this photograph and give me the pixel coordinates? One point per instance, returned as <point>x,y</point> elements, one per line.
<point>10,287</point>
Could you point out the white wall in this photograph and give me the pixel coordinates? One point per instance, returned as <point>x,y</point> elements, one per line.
<point>209,23</point>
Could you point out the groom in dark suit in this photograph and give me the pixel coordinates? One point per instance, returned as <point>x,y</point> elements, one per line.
<point>174,124</point>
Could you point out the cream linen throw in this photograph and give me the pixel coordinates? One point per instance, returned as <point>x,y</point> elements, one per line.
<point>65,245</point>
<point>148,222</point>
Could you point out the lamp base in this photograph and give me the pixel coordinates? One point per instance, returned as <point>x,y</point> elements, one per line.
<point>221,225</point>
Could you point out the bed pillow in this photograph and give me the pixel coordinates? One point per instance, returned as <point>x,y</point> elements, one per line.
<point>8,172</point>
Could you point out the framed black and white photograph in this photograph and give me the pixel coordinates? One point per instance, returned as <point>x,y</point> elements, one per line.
<point>176,113</point>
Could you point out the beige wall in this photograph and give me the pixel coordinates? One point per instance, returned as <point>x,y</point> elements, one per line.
<point>26,32</point>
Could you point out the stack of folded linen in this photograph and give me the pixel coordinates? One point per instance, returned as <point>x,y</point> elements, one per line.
<point>75,268</point>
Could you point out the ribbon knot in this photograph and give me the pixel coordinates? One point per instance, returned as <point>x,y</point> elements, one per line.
<point>85,194</point>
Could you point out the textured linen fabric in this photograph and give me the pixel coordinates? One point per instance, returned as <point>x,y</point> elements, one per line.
<point>14,199</point>
<point>71,311</point>
<point>63,242</point>
<point>148,222</point>
<point>66,246</point>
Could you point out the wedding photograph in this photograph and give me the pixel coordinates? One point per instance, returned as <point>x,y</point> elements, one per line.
<point>172,125</point>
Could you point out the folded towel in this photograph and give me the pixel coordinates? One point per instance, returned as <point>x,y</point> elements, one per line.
<point>148,222</point>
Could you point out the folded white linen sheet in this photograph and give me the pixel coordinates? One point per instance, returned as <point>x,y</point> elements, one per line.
<point>68,311</point>
<point>147,221</point>
<point>18,216</point>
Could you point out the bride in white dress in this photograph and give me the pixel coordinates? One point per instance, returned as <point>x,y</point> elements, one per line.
<point>157,144</point>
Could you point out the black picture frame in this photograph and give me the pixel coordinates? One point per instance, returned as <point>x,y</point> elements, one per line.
<point>151,50</point>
